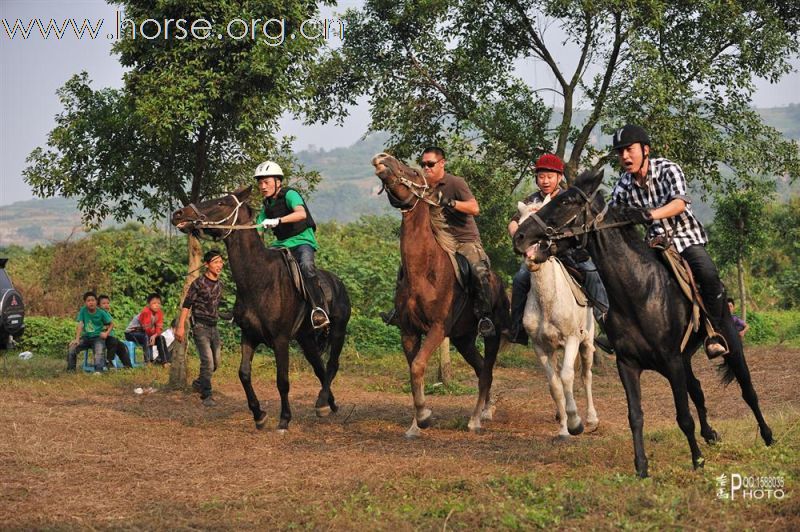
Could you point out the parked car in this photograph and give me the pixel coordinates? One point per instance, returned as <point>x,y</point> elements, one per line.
<point>12,309</point>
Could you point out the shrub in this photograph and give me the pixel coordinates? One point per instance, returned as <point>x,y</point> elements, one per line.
<point>47,336</point>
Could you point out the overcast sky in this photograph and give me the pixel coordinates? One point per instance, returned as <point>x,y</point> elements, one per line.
<point>32,70</point>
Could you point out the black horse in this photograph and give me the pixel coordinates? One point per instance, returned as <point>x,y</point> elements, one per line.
<point>268,307</point>
<point>648,314</point>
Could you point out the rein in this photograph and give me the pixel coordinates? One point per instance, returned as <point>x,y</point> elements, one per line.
<point>201,222</point>
<point>413,187</point>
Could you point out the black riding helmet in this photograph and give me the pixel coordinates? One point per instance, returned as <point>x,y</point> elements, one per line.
<point>630,134</point>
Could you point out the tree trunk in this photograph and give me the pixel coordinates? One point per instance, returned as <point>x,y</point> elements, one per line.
<point>445,368</point>
<point>179,372</point>
<point>742,291</point>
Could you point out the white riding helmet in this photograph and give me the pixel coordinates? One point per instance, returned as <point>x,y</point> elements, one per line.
<point>268,169</point>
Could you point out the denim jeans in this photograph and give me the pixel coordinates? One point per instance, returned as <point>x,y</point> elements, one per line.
<point>304,255</point>
<point>96,344</point>
<point>708,282</point>
<point>207,342</point>
<point>141,338</point>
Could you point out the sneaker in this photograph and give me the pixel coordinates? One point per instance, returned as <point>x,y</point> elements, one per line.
<point>603,343</point>
<point>486,327</point>
<point>319,318</point>
<point>715,347</point>
<point>209,401</point>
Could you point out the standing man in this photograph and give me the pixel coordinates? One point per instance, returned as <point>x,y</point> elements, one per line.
<point>460,208</point>
<point>655,192</point>
<point>549,174</point>
<point>203,300</point>
<point>91,332</point>
<point>285,212</point>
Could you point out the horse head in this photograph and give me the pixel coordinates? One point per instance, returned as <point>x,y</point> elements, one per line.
<point>545,232</point>
<point>404,185</point>
<point>206,217</point>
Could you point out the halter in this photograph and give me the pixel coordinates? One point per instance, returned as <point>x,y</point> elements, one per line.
<point>591,223</point>
<point>413,187</point>
<point>221,223</point>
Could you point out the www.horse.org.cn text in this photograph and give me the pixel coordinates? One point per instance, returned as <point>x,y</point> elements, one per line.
<point>268,31</point>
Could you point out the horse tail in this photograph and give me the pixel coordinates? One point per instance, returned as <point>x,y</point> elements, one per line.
<point>726,372</point>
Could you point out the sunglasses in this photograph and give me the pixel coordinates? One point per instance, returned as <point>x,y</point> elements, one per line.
<point>429,164</point>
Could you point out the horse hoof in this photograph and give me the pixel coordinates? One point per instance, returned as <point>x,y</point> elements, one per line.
<point>562,438</point>
<point>323,411</point>
<point>642,474</point>
<point>334,407</point>
<point>261,421</point>
<point>488,413</point>
<point>413,434</point>
<point>424,423</point>
<point>282,431</point>
<point>591,426</point>
<point>767,438</point>
<point>713,438</point>
<point>577,430</point>
<point>699,463</point>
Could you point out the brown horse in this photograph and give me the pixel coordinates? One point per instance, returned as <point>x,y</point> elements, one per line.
<point>429,299</point>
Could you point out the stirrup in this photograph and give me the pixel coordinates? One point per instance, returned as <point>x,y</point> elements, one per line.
<point>319,318</point>
<point>486,327</point>
<point>389,318</point>
<point>715,346</point>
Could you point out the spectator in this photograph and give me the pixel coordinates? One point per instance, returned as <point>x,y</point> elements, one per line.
<point>741,326</point>
<point>114,347</point>
<point>91,332</point>
<point>145,329</point>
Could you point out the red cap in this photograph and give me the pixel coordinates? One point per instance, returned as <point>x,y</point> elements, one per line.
<point>548,161</point>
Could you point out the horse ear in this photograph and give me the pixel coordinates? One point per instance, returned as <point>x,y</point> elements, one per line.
<point>589,180</point>
<point>243,192</point>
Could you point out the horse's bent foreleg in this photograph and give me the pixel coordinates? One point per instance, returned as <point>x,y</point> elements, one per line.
<point>418,365</point>
<point>677,381</point>
<point>245,372</point>
<point>698,398</point>
<point>633,393</point>
<point>281,348</point>
<point>574,424</point>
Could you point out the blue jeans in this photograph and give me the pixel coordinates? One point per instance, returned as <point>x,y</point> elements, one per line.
<point>304,255</point>
<point>96,344</point>
<point>207,342</point>
<point>141,338</point>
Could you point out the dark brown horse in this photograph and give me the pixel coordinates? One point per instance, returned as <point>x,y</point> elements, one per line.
<point>429,299</point>
<point>268,307</point>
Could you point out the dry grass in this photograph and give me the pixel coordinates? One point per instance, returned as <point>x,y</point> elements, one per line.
<point>79,451</point>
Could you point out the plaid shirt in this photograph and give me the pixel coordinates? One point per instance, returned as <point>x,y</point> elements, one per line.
<point>665,182</point>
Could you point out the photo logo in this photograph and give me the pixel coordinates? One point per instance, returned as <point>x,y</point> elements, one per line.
<point>753,487</point>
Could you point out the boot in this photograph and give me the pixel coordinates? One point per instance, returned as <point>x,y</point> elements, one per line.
<point>483,308</point>
<point>518,335</point>
<point>389,318</point>
<point>601,340</point>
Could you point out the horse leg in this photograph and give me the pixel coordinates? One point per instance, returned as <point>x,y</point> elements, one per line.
<point>245,370</point>
<point>281,348</point>
<point>698,398</point>
<point>680,393</point>
<point>491,347</point>
<point>422,415</point>
<point>311,351</point>
<point>633,393</point>
<point>411,343</point>
<point>574,423</point>
<point>336,343</point>
<point>735,362</point>
<point>587,359</point>
<point>550,365</point>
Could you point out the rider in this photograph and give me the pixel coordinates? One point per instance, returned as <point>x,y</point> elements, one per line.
<point>549,176</point>
<point>285,212</point>
<point>655,190</point>
<point>459,207</point>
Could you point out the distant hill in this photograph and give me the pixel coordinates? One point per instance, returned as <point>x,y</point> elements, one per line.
<point>347,191</point>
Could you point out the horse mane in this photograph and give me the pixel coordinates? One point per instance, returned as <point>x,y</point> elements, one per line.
<point>439,227</point>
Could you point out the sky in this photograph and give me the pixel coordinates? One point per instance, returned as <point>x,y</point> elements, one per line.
<point>31,70</point>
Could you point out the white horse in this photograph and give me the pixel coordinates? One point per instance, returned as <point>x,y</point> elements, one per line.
<point>554,320</point>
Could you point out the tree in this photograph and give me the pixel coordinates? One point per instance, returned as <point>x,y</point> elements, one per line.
<point>193,118</point>
<point>443,68</point>
<point>739,231</point>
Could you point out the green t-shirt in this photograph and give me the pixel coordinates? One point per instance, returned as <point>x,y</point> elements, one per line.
<point>292,199</point>
<point>93,323</point>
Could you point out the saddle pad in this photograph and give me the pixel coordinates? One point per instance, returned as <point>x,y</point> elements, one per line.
<point>577,291</point>
<point>683,275</point>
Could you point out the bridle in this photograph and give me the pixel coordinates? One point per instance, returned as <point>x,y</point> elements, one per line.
<point>417,191</point>
<point>591,222</point>
<point>222,223</point>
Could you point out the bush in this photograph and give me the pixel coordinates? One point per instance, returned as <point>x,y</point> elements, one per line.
<point>774,327</point>
<point>371,334</point>
<point>47,336</point>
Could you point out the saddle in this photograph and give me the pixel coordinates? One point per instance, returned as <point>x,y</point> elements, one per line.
<point>300,285</point>
<point>577,290</point>
<point>683,274</point>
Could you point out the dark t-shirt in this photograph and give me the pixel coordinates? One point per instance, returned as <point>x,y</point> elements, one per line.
<point>462,226</point>
<point>203,298</point>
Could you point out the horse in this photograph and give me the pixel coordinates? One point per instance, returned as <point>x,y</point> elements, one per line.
<point>268,309</point>
<point>429,299</point>
<point>648,312</point>
<point>553,321</point>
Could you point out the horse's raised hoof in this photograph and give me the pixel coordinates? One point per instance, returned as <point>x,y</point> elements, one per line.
<point>577,430</point>
<point>591,426</point>
<point>283,425</point>
<point>488,413</point>
<point>323,411</point>
<point>712,438</point>
<point>424,421</point>
<point>261,421</point>
<point>699,463</point>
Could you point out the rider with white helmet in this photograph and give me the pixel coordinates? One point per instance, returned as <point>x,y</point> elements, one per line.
<point>286,214</point>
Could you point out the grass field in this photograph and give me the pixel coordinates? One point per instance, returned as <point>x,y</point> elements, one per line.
<point>85,452</point>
